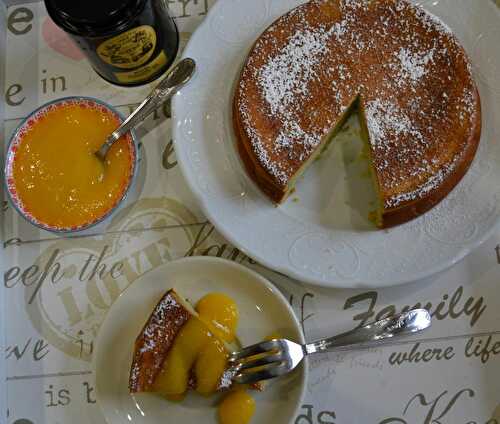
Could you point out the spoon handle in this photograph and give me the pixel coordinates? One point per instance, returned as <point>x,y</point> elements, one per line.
<point>374,334</point>
<point>178,76</point>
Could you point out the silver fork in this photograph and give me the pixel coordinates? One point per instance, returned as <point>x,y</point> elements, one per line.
<point>276,357</point>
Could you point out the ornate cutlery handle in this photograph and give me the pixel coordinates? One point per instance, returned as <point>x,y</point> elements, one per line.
<point>174,80</point>
<point>376,333</point>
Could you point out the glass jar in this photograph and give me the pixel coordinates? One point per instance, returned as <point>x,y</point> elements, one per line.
<point>128,42</point>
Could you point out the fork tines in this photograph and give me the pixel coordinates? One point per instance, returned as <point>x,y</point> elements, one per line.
<point>258,362</point>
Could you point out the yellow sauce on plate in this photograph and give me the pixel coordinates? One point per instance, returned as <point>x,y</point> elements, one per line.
<point>58,179</point>
<point>195,348</point>
<point>199,351</point>
<point>237,407</point>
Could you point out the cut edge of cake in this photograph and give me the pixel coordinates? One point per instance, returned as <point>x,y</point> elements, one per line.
<point>320,149</point>
<point>354,107</point>
<point>378,218</point>
<point>155,340</point>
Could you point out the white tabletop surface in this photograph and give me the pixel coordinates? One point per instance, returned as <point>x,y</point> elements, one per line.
<point>56,291</point>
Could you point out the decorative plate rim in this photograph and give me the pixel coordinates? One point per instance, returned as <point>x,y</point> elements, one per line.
<point>203,200</point>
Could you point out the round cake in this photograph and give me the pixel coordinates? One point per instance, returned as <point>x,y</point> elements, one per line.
<point>401,67</point>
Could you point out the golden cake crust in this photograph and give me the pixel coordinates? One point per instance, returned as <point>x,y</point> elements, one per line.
<point>410,75</point>
<point>155,340</point>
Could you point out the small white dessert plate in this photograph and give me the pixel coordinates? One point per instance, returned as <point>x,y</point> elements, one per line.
<point>263,310</point>
<point>322,235</point>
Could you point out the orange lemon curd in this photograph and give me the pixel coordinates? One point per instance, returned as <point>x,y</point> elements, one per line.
<point>220,313</point>
<point>58,179</point>
<point>199,345</point>
<point>194,343</point>
<point>199,351</point>
<point>237,407</point>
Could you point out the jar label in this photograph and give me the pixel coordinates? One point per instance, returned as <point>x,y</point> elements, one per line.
<point>143,73</point>
<point>130,49</point>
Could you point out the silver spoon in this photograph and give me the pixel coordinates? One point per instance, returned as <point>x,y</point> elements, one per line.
<point>176,78</point>
<point>273,358</point>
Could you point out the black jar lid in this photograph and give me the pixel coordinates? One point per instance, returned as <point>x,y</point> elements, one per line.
<point>93,18</point>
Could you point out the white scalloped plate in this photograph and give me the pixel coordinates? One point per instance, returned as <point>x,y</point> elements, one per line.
<point>323,237</point>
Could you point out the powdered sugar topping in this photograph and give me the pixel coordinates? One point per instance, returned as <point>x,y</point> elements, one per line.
<point>413,66</point>
<point>285,77</point>
<point>434,181</point>
<point>167,316</point>
<point>403,92</point>
<point>385,120</point>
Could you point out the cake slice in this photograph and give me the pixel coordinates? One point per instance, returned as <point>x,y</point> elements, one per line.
<point>178,349</point>
<point>156,339</point>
